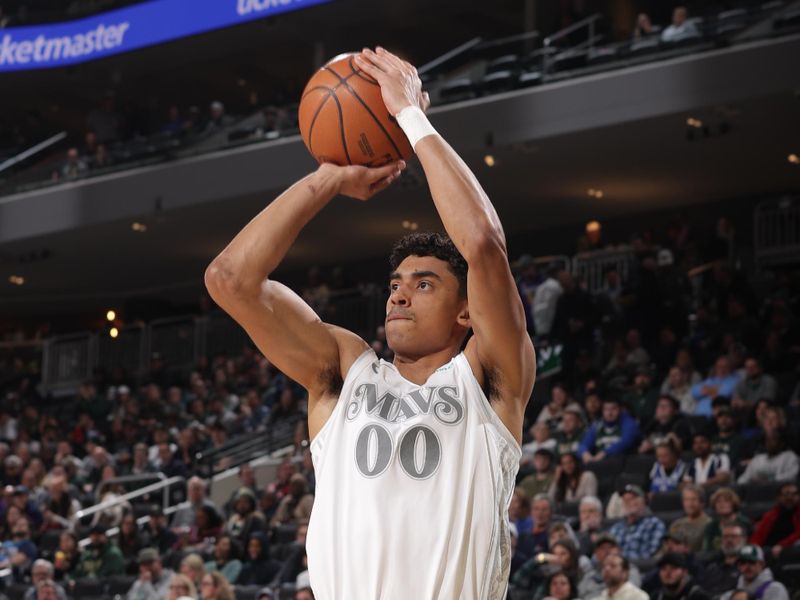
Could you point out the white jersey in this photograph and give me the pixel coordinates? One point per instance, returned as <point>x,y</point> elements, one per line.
<point>413,487</point>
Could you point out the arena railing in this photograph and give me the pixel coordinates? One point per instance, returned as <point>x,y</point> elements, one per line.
<point>590,267</point>
<point>777,232</point>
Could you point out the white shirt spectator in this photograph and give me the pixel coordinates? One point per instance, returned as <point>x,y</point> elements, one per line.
<point>780,467</point>
<point>676,33</point>
<point>544,305</point>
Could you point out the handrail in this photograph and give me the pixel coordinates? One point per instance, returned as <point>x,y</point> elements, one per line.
<point>139,522</point>
<point>547,43</point>
<point>517,37</point>
<point>32,150</point>
<point>436,62</point>
<point>155,487</point>
<point>127,479</point>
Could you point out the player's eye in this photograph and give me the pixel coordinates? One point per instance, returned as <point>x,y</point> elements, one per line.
<point>424,285</point>
<point>393,286</point>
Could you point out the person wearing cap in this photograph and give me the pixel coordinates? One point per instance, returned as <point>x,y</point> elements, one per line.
<point>265,593</point>
<point>666,420</point>
<point>720,572</point>
<point>616,571</point>
<point>756,578</point>
<point>20,498</point>
<point>639,533</point>
<point>160,536</point>
<point>153,580</point>
<point>676,582</point>
<point>777,463</point>
<point>722,381</point>
<point>616,433</point>
<point>707,469</point>
<point>591,583</point>
<point>296,505</point>
<point>101,558</point>
<point>542,478</point>
<point>779,528</point>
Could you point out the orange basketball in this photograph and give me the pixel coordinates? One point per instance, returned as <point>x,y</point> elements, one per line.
<point>344,121</point>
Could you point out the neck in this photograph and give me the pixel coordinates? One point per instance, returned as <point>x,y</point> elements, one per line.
<point>613,589</point>
<point>419,369</point>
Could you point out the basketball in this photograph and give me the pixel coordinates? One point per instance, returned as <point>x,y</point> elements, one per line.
<point>344,121</point>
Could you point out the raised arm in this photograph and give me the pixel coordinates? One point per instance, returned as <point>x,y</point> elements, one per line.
<point>500,346</point>
<point>280,323</point>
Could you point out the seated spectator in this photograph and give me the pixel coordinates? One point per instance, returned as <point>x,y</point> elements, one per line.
<point>676,582</point>
<point>207,526</point>
<point>644,27</point>
<point>616,569</point>
<point>681,27</point>
<point>519,510</point>
<point>542,478</point>
<point>677,385</point>
<point>571,482</point>
<point>47,590</point>
<point>777,463</point>
<point>130,541</point>
<point>67,555</point>
<point>545,301</point>
<point>59,506</point>
<point>43,571</point>
<point>667,420</point>
<point>590,519</point>
<point>591,583</point>
<point>642,397</point>
<point>560,586</point>
<point>532,576</point>
<point>214,586</point>
<point>568,437</point>
<point>101,558</point>
<point>553,412</point>
<point>304,594</point>
<point>295,508</point>
<point>158,534</point>
<point>722,381</point>
<point>707,469</point>
<point>542,440</point>
<point>180,586</point>
<point>245,518</point>
<point>725,505</point>
<point>727,439</point>
<point>192,567</point>
<point>692,526</point>
<point>721,572</point>
<point>669,470</point>
<point>141,462</point>
<point>183,518</point>
<point>74,166</point>
<point>615,434</point>
<point>226,558</point>
<point>536,540</point>
<point>593,405</point>
<point>19,552</point>
<point>779,528</point>
<point>639,533</point>
<point>753,387</point>
<point>153,581</point>
<point>756,578</point>
<point>257,567</point>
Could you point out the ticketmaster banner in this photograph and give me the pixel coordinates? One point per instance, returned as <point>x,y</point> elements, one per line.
<point>112,32</point>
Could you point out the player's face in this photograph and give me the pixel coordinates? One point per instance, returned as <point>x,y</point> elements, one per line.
<point>425,313</point>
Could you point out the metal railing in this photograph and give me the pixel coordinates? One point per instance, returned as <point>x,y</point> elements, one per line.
<point>589,24</point>
<point>590,267</point>
<point>777,232</point>
<point>160,486</point>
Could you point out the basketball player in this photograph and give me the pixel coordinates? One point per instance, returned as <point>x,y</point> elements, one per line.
<point>415,460</point>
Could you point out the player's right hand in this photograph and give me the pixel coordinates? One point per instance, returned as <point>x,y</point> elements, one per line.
<point>362,183</point>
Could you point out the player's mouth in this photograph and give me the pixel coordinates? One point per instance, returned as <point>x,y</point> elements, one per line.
<point>398,316</point>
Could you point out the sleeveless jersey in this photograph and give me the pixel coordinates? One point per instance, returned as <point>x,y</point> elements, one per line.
<point>413,485</point>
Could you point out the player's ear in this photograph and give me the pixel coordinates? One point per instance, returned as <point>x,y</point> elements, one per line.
<point>463,316</point>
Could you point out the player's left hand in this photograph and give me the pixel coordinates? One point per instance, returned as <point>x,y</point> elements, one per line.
<point>399,80</point>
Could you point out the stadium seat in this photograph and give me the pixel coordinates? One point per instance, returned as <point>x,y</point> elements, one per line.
<point>530,78</point>
<point>246,592</point>
<point>569,59</point>
<point>731,21</point>
<point>499,81</point>
<point>119,584</point>
<point>457,89</point>
<point>788,20</point>
<point>602,55</point>
<point>666,502</point>
<point>639,464</point>
<point>606,472</point>
<point>284,534</point>
<point>668,516</point>
<point>698,423</point>
<point>760,493</point>
<point>16,591</point>
<point>645,45</point>
<point>568,509</point>
<point>88,587</point>
<point>509,62</point>
<point>755,510</point>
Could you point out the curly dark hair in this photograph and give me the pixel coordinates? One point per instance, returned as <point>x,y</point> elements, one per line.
<point>438,245</point>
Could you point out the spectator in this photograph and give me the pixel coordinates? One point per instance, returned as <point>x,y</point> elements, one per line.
<point>725,504</point>
<point>295,508</point>
<point>778,463</point>
<point>101,558</point>
<point>722,381</point>
<point>753,387</point>
<point>153,581</point>
<point>779,528</point>
<point>141,462</point>
<point>180,586</point>
<point>721,571</point>
<point>560,401</point>
<point>692,526</point>
<point>560,586</point>
<point>19,552</point>
<point>676,582</point>
<point>667,420</point>
<point>574,321</point>
<point>214,586</point>
<point>542,440</point>
<point>590,519</point>
<point>207,526</point>
<point>568,438</point>
<point>192,568</point>
<point>130,541</point>
<point>226,558</point>
<point>304,594</point>
<point>47,590</point>
<point>669,470</point>
<point>615,434</point>
<point>41,572</point>
<point>67,555</point>
<point>546,300</point>
<point>519,510</point>
<point>258,568</point>
<point>727,439</point>
<point>158,534</point>
<point>756,578</point>
<point>245,518</point>
<point>677,385</point>
<point>639,533</point>
<point>571,482</point>
<point>707,469</point>
<point>59,506</point>
<point>563,556</point>
<point>681,28</point>
<point>217,119</point>
<point>183,518</point>
<point>536,539</point>
<point>542,478</point>
<point>644,27</point>
<point>265,593</point>
<point>616,570</point>
<point>74,166</point>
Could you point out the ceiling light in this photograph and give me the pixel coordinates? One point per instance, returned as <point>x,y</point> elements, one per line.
<point>489,160</point>
<point>111,315</point>
<point>16,280</point>
<point>692,122</point>
<point>113,332</point>
<point>794,159</point>
<point>595,193</point>
<point>412,225</point>
<point>592,226</point>
<point>139,227</point>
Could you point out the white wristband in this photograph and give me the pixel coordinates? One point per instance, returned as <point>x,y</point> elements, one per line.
<point>414,124</point>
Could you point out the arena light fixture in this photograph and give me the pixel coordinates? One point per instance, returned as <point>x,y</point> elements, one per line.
<point>692,122</point>
<point>794,159</point>
<point>113,332</point>
<point>111,315</point>
<point>489,160</point>
<point>412,225</point>
<point>16,280</point>
<point>139,227</point>
<point>595,193</point>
